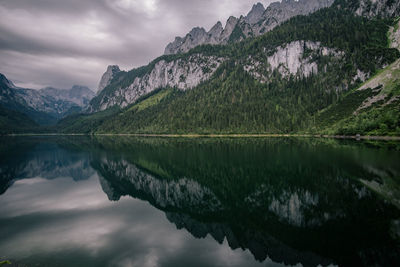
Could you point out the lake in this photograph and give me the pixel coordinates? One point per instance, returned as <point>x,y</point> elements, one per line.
<point>130,201</point>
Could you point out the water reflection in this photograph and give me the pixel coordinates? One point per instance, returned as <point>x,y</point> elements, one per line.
<point>239,202</point>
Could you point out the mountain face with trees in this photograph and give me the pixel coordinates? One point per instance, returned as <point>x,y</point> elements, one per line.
<point>320,73</point>
<point>24,109</point>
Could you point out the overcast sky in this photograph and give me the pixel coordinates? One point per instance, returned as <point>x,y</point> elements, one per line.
<point>60,43</point>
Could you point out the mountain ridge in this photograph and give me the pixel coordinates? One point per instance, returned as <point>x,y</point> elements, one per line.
<point>44,106</point>
<point>259,20</point>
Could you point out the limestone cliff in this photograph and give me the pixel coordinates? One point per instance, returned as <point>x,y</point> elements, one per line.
<point>183,73</point>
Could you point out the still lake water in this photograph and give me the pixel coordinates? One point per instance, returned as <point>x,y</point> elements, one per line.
<point>119,201</point>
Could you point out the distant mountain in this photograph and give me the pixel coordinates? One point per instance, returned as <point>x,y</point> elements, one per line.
<point>44,106</point>
<point>258,21</point>
<point>79,95</point>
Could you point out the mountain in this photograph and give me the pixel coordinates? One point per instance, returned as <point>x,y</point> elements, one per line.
<point>258,21</point>
<point>108,76</point>
<point>14,121</point>
<point>16,101</point>
<point>78,95</point>
<point>288,80</point>
<point>44,106</point>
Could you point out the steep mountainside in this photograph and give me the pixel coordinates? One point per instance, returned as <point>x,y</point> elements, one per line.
<point>44,106</point>
<point>107,77</point>
<point>258,21</point>
<point>14,121</point>
<point>374,107</point>
<point>182,73</point>
<point>275,83</point>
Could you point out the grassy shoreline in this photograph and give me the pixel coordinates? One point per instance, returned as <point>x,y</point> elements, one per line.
<point>355,137</point>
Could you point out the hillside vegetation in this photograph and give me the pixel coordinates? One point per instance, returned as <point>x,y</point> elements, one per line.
<point>235,100</point>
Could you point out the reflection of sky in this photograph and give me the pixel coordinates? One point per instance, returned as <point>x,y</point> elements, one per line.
<point>73,223</point>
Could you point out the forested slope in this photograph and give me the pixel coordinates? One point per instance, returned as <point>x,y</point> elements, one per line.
<point>326,57</point>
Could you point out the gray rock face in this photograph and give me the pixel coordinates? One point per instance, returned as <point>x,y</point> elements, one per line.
<point>258,21</point>
<point>181,73</point>
<point>182,193</point>
<point>255,14</point>
<point>290,59</point>
<point>107,77</point>
<point>52,101</point>
<point>79,95</point>
<point>381,8</point>
<point>215,33</point>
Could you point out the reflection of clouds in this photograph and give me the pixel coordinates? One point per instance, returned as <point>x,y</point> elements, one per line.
<point>43,197</point>
<point>62,219</point>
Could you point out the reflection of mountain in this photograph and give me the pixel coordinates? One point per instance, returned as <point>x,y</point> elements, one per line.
<point>125,178</point>
<point>294,201</point>
<point>45,160</point>
<point>288,212</point>
<point>174,196</point>
<point>261,245</point>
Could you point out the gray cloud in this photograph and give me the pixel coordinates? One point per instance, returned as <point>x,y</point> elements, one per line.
<point>60,43</point>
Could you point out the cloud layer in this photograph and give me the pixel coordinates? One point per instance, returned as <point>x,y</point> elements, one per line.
<point>61,43</point>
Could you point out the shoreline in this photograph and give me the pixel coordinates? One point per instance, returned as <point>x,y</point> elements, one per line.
<point>354,137</point>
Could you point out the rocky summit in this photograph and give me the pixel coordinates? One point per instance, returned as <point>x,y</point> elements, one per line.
<point>44,106</point>
<point>258,21</point>
<point>107,77</point>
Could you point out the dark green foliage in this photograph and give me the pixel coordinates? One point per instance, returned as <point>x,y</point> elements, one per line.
<point>236,35</point>
<point>363,41</point>
<point>375,121</point>
<point>343,109</point>
<point>15,122</point>
<point>85,123</point>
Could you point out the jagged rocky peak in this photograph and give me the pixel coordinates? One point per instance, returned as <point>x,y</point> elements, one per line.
<point>107,77</point>
<point>195,37</point>
<point>258,21</point>
<point>4,82</point>
<point>197,32</point>
<point>380,8</point>
<point>255,14</point>
<point>215,33</point>
<point>78,94</point>
<point>230,25</point>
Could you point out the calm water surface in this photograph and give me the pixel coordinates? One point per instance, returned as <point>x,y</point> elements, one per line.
<point>80,201</point>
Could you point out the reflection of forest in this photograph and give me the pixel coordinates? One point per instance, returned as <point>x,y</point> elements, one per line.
<point>292,200</point>
<point>273,199</point>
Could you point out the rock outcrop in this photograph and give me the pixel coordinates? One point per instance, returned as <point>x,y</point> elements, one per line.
<point>107,77</point>
<point>56,103</point>
<point>182,193</point>
<point>295,58</point>
<point>378,8</point>
<point>183,73</point>
<point>79,95</point>
<point>258,21</point>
